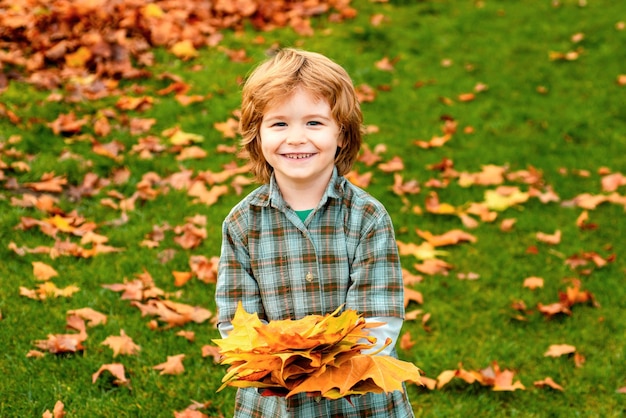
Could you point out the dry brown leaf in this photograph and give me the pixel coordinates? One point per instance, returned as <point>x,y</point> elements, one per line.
<point>57,412</point>
<point>213,351</point>
<point>533,282</point>
<point>433,266</point>
<point>188,335</point>
<point>116,369</point>
<point>551,239</point>
<point>507,224</point>
<point>406,341</point>
<point>549,383</point>
<point>181,277</point>
<point>448,238</point>
<point>92,316</point>
<point>395,164</point>
<point>43,271</point>
<point>557,350</point>
<point>412,295</point>
<point>173,365</point>
<point>409,278</point>
<point>121,345</point>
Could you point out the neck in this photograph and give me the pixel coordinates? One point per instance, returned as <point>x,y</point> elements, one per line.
<point>302,196</point>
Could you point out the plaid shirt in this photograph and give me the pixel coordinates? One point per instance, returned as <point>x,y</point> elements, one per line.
<point>280,267</point>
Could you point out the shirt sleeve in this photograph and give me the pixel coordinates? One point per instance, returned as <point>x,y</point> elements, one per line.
<point>376,275</point>
<point>235,281</point>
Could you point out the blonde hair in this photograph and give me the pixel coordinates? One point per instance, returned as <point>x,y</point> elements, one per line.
<point>276,79</point>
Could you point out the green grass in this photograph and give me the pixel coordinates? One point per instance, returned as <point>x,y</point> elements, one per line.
<point>577,123</point>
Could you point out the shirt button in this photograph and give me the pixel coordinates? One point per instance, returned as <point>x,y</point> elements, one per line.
<point>309,277</point>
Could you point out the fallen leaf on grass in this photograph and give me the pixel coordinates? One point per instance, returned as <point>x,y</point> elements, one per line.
<point>35,354</point>
<point>533,282</point>
<point>549,383</point>
<point>395,164</point>
<point>173,313</point>
<point>57,412</point>
<point>188,335</point>
<point>433,266</point>
<point>173,365</point>
<point>430,384</point>
<point>409,278</point>
<point>48,289</point>
<point>412,295</point>
<point>43,271</point>
<point>406,341</point>
<point>92,317</point>
<point>448,238</point>
<point>507,224</point>
<point>557,350</point>
<point>181,277</point>
<point>551,239</point>
<point>184,50</point>
<point>211,350</point>
<point>503,198</point>
<point>413,315</point>
<point>424,251</point>
<point>499,380</point>
<point>62,343</point>
<point>502,380</point>
<point>116,369</point>
<point>121,344</point>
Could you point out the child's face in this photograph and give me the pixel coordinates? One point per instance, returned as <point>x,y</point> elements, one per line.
<point>299,139</point>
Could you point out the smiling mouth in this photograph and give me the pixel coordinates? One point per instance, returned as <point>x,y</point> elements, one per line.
<point>298,156</point>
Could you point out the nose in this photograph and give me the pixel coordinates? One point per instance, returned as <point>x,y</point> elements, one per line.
<point>296,135</point>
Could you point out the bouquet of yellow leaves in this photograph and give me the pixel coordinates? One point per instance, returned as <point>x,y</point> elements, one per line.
<point>318,355</point>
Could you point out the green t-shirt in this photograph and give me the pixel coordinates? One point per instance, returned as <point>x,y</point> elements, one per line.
<point>302,214</point>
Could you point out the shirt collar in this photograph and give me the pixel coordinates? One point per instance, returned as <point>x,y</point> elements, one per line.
<point>273,196</point>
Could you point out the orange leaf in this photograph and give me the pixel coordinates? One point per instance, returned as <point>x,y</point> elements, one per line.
<point>533,282</point>
<point>548,382</point>
<point>213,351</point>
<point>395,164</point>
<point>229,129</point>
<point>410,294</point>
<point>42,271</point>
<point>409,278</point>
<point>433,266</point>
<point>386,372</point>
<point>116,369</point>
<point>181,277</point>
<point>121,344</point>
<point>93,317</point>
<point>406,342</point>
<point>557,350</point>
<point>551,239</point>
<point>449,238</point>
<point>62,343</point>
<point>57,412</point>
<point>173,365</point>
<point>507,224</point>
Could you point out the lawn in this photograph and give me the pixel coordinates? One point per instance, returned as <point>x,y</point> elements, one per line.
<point>499,123</point>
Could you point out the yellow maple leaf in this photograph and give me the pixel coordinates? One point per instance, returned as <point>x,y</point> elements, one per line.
<point>184,49</point>
<point>500,202</point>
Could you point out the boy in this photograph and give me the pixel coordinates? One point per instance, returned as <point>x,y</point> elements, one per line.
<point>307,240</point>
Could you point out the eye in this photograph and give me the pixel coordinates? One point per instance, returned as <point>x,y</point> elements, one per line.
<point>279,124</point>
<point>314,123</point>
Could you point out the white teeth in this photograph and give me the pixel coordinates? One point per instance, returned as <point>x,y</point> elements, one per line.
<point>298,156</point>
